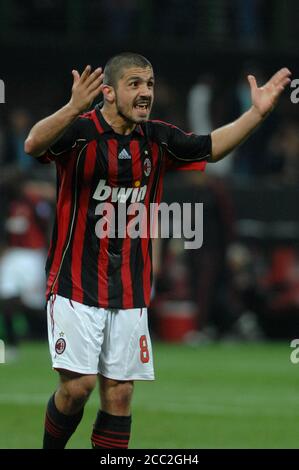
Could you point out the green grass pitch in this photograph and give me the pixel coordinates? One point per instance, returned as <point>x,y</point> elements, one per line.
<point>213,396</point>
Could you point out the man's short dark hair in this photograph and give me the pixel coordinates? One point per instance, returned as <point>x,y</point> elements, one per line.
<point>116,65</point>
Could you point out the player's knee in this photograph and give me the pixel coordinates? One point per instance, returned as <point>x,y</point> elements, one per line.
<point>119,396</point>
<point>126,391</point>
<point>78,391</point>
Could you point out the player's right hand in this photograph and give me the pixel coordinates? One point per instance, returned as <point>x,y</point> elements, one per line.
<point>85,88</point>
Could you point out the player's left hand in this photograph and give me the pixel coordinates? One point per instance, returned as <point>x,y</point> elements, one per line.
<point>265,98</point>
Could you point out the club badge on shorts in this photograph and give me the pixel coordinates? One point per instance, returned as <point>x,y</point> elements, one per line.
<point>60,345</point>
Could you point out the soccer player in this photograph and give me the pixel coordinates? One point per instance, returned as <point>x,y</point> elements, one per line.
<point>98,286</point>
<point>26,230</point>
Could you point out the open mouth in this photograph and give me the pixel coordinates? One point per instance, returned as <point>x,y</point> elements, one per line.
<point>144,106</point>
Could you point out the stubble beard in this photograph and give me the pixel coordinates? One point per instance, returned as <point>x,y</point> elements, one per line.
<point>127,118</point>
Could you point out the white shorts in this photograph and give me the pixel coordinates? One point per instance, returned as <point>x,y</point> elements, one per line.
<point>90,340</point>
<point>22,274</point>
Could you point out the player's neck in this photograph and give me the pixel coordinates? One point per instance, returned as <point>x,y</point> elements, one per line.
<point>117,122</point>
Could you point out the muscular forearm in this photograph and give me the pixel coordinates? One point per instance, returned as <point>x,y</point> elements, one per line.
<point>48,130</point>
<point>228,137</point>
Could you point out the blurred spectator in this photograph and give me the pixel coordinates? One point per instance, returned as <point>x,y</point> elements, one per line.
<point>22,279</point>
<point>199,115</point>
<point>247,298</point>
<point>199,105</point>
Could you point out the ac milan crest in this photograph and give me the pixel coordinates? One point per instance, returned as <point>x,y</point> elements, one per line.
<point>147,166</point>
<point>60,346</point>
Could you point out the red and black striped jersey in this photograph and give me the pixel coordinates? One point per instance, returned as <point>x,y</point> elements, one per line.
<point>26,222</point>
<point>96,166</point>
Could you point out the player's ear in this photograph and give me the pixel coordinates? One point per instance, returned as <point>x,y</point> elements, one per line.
<point>108,92</point>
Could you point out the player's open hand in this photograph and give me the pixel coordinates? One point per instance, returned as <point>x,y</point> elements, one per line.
<point>265,98</point>
<point>86,88</point>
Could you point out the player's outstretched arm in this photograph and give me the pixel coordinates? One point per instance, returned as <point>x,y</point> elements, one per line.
<point>228,137</point>
<point>47,131</point>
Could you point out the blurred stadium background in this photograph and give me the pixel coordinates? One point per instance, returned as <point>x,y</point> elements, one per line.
<point>222,317</point>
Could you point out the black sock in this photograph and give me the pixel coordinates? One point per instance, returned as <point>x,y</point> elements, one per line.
<point>58,426</point>
<point>111,431</point>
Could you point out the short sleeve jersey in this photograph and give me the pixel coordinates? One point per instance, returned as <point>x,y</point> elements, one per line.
<point>99,174</point>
